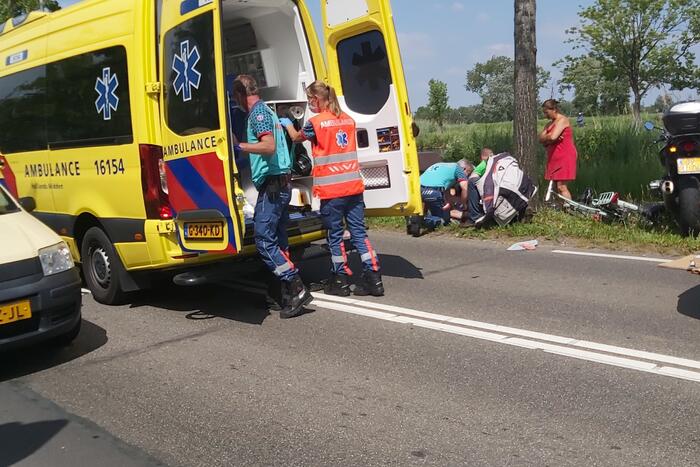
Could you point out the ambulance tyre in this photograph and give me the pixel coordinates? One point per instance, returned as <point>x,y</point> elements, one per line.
<point>101,267</point>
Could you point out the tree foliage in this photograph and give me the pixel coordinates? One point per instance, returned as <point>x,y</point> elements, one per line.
<point>493,81</point>
<point>12,8</point>
<point>594,93</point>
<point>437,101</point>
<point>645,42</point>
<point>662,103</point>
<point>464,114</point>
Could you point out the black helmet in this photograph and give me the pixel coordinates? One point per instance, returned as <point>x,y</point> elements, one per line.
<point>302,162</point>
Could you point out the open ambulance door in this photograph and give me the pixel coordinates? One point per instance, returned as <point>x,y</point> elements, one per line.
<point>364,66</point>
<point>201,174</point>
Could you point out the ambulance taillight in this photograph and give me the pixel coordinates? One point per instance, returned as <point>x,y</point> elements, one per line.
<point>153,182</point>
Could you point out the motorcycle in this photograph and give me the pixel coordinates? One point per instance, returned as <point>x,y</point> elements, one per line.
<point>680,156</point>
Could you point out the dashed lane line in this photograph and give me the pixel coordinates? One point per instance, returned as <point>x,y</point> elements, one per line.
<point>639,360</point>
<point>583,350</point>
<point>610,256</point>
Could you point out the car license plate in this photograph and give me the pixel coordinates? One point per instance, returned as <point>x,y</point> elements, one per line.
<point>689,165</point>
<point>11,312</point>
<point>204,230</point>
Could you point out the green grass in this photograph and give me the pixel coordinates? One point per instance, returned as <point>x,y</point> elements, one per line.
<point>613,154</point>
<point>561,228</point>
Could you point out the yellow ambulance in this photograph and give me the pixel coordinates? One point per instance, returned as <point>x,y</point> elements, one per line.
<point>115,116</point>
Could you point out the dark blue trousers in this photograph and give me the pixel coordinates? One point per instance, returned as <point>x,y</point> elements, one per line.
<point>475,210</point>
<point>434,199</point>
<point>350,209</point>
<point>271,219</point>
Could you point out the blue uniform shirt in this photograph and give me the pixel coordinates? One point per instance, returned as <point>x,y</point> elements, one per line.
<point>263,121</point>
<point>442,175</point>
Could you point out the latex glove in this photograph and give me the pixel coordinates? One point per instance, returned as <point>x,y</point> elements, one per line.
<point>286,122</point>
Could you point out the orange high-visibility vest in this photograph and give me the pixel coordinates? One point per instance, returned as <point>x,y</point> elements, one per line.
<point>336,168</point>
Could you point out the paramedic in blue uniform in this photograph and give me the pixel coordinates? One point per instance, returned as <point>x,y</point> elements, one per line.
<point>271,164</point>
<point>435,181</point>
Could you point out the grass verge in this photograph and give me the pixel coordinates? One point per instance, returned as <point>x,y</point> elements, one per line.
<point>559,228</point>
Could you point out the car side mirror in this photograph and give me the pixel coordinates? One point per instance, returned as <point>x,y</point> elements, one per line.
<point>28,203</point>
<point>649,126</point>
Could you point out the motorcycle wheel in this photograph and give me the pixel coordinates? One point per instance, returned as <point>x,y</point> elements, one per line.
<point>689,207</point>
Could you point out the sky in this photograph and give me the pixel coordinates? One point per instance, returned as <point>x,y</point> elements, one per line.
<point>445,38</point>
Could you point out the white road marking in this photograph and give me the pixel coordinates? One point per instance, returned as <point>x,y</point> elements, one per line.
<point>516,331</point>
<point>584,350</point>
<point>639,360</point>
<point>85,291</point>
<point>605,255</point>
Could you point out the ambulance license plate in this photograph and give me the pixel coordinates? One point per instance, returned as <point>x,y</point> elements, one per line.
<point>690,165</point>
<point>16,311</point>
<point>204,231</point>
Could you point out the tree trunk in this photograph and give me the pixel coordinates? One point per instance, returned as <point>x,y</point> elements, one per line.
<point>637,108</point>
<point>525,110</point>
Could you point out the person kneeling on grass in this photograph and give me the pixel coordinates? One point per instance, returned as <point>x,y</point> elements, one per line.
<point>434,182</point>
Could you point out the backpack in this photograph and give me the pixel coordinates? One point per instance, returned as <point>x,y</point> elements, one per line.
<point>505,189</point>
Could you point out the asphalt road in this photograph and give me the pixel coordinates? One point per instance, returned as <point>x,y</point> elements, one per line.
<point>206,376</point>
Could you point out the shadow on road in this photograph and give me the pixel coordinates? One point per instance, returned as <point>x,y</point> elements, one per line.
<point>689,303</point>
<point>317,269</point>
<point>398,266</point>
<point>216,300</point>
<point>207,302</point>
<point>21,440</point>
<point>22,362</point>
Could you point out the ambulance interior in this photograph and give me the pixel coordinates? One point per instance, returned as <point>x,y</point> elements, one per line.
<point>266,39</point>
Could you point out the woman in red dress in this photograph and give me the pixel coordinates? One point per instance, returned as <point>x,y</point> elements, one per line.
<point>558,139</point>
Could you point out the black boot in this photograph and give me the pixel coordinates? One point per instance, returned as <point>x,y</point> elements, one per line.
<point>337,285</point>
<point>413,225</point>
<point>276,294</point>
<point>296,297</point>
<point>371,284</point>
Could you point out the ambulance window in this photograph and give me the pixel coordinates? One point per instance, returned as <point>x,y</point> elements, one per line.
<point>364,72</point>
<point>191,100</point>
<point>92,89</point>
<point>22,100</point>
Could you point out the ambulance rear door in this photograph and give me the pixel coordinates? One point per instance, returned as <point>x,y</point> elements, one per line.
<point>201,174</point>
<point>364,66</point>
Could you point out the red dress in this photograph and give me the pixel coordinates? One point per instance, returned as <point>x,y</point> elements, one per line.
<point>561,157</point>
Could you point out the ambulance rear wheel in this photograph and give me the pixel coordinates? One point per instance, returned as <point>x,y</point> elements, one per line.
<point>101,267</point>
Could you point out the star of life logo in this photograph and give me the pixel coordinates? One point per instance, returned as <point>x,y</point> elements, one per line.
<point>107,99</point>
<point>341,139</point>
<point>186,74</point>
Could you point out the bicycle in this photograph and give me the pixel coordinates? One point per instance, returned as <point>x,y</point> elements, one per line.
<point>607,207</point>
<point>572,206</point>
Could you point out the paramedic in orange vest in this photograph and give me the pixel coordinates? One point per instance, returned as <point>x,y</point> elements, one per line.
<point>337,182</point>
